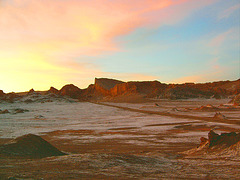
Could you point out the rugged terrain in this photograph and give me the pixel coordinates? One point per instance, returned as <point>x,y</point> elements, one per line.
<point>114,90</point>
<point>119,140</point>
<point>133,130</point>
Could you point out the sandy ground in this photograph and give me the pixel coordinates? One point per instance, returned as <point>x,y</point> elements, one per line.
<point>105,142</point>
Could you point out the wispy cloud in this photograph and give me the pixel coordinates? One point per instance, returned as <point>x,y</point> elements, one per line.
<point>227,13</point>
<point>219,39</point>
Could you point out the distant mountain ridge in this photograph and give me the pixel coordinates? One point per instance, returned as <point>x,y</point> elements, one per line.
<point>110,88</point>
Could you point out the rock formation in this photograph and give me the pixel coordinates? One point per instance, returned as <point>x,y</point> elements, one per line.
<point>227,139</point>
<point>2,94</point>
<point>219,115</point>
<point>53,90</point>
<point>71,91</point>
<point>31,91</point>
<point>4,111</point>
<point>106,83</point>
<point>207,107</point>
<point>224,144</point>
<point>236,100</point>
<point>30,146</point>
<point>19,110</point>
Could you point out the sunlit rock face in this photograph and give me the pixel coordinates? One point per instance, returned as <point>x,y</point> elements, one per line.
<point>103,86</point>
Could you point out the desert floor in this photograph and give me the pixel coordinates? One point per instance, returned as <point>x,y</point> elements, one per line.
<point>120,140</point>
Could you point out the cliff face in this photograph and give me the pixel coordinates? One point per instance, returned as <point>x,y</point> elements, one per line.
<point>147,88</point>
<point>103,86</point>
<point>106,83</point>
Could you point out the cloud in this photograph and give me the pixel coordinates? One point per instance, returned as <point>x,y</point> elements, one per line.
<point>218,40</point>
<point>84,27</point>
<point>41,41</point>
<point>227,13</point>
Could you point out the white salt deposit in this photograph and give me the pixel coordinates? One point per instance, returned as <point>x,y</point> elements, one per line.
<point>65,116</point>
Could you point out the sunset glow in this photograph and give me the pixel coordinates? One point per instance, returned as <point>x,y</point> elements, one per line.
<point>51,43</point>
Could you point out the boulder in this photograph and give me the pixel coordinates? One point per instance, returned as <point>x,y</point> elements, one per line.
<point>30,146</point>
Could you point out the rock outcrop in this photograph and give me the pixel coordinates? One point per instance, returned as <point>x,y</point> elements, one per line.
<point>220,116</point>
<point>53,91</point>
<point>30,146</point>
<point>208,107</point>
<point>71,91</point>
<point>2,94</point>
<point>11,97</point>
<point>236,100</point>
<point>226,144</point>
<point>4,111</point>
<point>225,139</point>
<point>106,83</point>
<point>31,91</point>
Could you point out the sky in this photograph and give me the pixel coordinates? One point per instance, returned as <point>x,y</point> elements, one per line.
<point>47,43</point>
